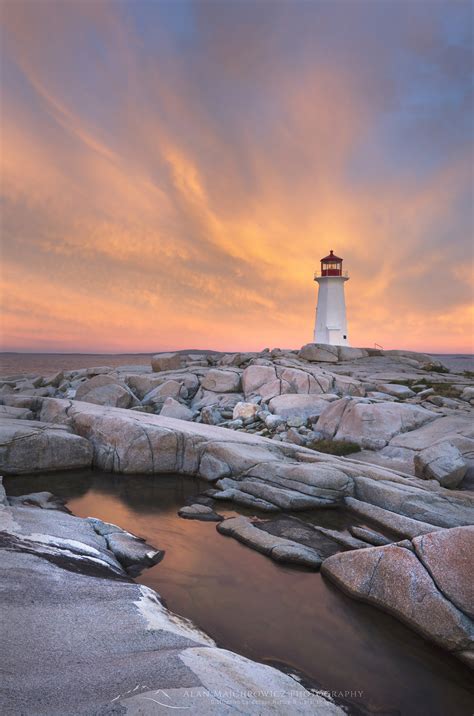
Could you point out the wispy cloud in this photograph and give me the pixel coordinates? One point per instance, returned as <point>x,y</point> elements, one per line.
<point>172,172</point>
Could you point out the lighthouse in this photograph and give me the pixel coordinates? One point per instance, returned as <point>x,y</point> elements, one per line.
<point>331,325</point>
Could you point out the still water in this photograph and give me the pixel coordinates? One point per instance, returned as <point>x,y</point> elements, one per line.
<point>285,616</point>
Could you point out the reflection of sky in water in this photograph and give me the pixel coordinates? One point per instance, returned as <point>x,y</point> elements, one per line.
<point>265,611</point>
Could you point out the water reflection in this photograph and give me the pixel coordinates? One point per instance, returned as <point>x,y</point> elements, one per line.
<point>249,604</point>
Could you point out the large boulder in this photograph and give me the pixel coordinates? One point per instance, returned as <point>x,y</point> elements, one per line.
<point>166,361</point>
<point>113,395</point>
<point>305,381</point>
<point>292,404</point>
<point>105,390</point>
<point>31,446</point>
<point>221,381</point>
<point>371,425</point>
<point>448,555</point>
<point>173,409</point>
<point>157,396</point>
<point>396,580</point>
<point>255,376</point>
<point>442,462</point>
<point>319,353</point>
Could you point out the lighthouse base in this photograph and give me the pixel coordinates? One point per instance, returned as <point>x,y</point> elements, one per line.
<point>332,337</point>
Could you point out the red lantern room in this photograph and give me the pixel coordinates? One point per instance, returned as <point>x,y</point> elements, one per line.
<point>331,265</point>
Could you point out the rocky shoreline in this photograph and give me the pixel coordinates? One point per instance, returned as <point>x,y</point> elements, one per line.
<point>396,450</point>
<point>81,638</point>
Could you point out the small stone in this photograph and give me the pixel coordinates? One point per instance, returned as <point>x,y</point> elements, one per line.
<point>295,421</point>
<point>199,512</point>
<point>274,421</point>
<point>245,410</point>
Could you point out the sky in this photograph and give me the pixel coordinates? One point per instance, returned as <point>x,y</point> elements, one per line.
<point>173,171</point>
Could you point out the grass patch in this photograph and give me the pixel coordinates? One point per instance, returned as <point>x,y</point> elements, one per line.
<point>430,368</point>
<point>446,390</point>
<point>335,447</point>
<point>468,373</point>
<point>406,383</point>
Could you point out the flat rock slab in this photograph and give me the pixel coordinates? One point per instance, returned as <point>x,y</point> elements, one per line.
<point>277,548</point>
<point>28,446</point>
<point>394,579</point>
<point>321,540</point>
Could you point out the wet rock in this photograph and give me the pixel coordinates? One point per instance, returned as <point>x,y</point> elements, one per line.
<point>133,553</point>
<point>324,541</point>
<point>199,512</point>
<point>277,548</point>
<point>31,446</point>
<point>394,579</point>
<point>442,462</point>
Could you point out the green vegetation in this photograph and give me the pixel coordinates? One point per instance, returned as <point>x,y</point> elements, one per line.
<point>430,368</point>
<point>446,390</point>
<point>335,447</point>
<point>468,373</point>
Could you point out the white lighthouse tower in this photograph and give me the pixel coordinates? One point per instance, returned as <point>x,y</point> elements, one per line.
<point>331,325</point>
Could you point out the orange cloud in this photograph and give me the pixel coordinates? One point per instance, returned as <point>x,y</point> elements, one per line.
<point>140,213</point>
